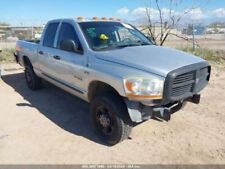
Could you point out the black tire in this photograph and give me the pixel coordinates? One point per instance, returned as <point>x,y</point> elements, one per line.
<point>110,119</point>
<point>33,81</point>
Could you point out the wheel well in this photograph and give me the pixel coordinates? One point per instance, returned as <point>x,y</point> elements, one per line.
<point>97,88</point>
<point>26,61</point>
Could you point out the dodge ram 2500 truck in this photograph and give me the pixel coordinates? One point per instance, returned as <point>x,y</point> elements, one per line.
<point>125,77</point>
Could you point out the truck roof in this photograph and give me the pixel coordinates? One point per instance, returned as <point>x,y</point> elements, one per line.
<point>96,21</point>
<point>79,20</point>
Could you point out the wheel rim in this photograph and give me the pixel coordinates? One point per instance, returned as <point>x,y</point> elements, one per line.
<point>104,120</point>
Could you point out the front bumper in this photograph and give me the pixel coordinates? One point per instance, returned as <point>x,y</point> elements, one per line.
<point>139,112</point>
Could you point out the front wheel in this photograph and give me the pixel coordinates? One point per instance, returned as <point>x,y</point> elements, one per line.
<point>109,119</point>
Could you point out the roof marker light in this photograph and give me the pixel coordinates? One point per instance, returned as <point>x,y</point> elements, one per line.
<point>95,18</point>
<point>104,18</point>
<point>80,18</point>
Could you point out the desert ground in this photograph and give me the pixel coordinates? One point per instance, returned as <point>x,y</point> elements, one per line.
<point>213,44</point>
<point>50,126</point>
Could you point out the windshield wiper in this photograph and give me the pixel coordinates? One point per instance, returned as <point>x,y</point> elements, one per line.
<point>121,46</point>
<point>117,46</point>
<point>127,45</point>
<point>141,43</point>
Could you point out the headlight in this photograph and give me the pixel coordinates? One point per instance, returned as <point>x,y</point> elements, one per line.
<point>144,87</point>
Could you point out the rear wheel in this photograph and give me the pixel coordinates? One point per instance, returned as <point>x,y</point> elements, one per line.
<point>109,118</point>
<point>33,81</point>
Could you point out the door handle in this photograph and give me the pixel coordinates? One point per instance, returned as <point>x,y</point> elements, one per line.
<point>41,52</point>
<point>57,57</point>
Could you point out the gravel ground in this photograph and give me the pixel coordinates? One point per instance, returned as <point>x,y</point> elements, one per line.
<point>52,127</point>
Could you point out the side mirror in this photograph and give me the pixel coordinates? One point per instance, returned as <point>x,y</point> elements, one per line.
<point>68,45</point>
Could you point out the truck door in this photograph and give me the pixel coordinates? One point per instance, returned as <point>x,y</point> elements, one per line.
<point>69,66</point>
<point>47,50</point>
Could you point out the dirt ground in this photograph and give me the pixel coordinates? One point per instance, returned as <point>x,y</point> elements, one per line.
<point>52,127</point>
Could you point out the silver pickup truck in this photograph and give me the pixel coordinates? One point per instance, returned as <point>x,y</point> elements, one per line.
<point>125,77</point>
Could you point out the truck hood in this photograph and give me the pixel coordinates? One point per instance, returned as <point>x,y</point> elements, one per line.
<point>153,59</point>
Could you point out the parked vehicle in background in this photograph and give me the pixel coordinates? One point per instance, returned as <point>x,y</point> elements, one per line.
<point>112,65</point>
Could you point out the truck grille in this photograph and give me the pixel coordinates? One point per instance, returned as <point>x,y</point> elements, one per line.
<point>185,82</point>
<point>183,78</point>
<point>178,91</point>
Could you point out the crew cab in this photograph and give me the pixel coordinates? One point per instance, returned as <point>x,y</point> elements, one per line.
<point>117,69</point>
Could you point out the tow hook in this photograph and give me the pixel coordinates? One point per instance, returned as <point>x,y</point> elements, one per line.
<point>165,113</point>
<point>195,99</point>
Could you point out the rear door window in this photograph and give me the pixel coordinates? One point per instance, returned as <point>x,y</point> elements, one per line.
<point>50,33</point>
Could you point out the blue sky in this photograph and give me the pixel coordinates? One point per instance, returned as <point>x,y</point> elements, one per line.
<point>30,12</point>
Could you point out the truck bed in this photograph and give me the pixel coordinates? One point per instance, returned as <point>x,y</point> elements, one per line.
<point>37,41</point>
<point>27,48</point>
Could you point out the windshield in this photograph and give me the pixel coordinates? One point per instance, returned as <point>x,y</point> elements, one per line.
<point>111,35</point>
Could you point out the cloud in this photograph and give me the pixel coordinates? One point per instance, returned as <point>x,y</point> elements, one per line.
<point>197,14</point>
<point>141,12</point>
<point>220,12</point>
<point>194,14</point>
<point>123,11</point>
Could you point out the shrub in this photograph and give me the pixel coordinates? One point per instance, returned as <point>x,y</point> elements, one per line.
<point>217,56</point>
<point>7,56</point>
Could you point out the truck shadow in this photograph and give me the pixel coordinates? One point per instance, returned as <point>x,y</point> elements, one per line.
<point>66,111</point>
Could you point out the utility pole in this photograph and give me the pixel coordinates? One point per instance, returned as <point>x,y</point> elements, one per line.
<point>193,29</point>
<point>32,32</point>
<point>193,37</point>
